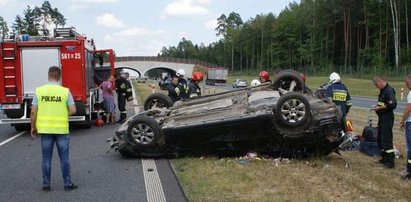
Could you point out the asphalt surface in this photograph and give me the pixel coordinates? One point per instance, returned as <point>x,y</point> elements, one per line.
<point>101,175</point>
<point>360,102</point>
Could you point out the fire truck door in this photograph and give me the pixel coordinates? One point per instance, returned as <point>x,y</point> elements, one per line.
<point>35,65</point>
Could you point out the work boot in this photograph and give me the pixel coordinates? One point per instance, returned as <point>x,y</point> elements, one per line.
<point>123,117</point>
<point>383,158</point>
<point>406,174</point>
<point>389,163</point>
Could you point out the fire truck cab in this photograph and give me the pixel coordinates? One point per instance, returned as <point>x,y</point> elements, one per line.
<point>24,64</point>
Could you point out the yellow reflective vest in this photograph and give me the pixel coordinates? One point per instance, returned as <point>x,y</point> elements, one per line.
<point>52,112</point>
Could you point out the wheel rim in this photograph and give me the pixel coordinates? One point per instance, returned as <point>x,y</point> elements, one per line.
<point>293,110</point>
<point>142,133</point>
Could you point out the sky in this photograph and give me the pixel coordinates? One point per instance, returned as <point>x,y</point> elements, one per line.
<point>143,28</point>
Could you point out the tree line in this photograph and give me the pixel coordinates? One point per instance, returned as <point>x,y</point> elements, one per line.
<point>34,21</point>
<point>357,37</point>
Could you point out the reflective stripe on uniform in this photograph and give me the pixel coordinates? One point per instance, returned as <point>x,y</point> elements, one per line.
<point>380,104</point>
<point>340,96</point>
<point>409,161</point>
<point>124,112</point>
<point>390,151</point>
<point>349,103</point>
<point>177,91</point>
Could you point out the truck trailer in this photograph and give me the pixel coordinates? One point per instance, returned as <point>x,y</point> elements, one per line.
<point>24,64</point>
<point>216,76</point>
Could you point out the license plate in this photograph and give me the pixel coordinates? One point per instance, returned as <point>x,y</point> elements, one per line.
<point>10,106</point>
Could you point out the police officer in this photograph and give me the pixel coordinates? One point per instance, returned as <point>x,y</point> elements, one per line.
<point>182,83</point>
<point>194,88</point>
<point>174,89</point>
<point>123,89</point>
<point>385,111</point>
<point>338,93</point>
<point>50,110</point>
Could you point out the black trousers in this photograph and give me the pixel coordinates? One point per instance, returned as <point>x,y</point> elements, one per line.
<point>385,124</point>
<point>121,101</point>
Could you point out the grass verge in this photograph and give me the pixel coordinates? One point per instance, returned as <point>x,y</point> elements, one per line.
<point>313,179</point>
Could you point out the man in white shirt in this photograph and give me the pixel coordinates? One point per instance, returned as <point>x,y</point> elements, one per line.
<point>405,124</point>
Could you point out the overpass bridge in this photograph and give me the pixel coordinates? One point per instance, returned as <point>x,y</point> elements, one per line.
<point>142,64</point>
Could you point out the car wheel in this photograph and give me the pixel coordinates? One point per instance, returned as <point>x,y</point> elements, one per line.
<point>22,127</point>
<point>293,110</point>
<point>158,100</point>
<point>144,131</point>
<point>288,81</point>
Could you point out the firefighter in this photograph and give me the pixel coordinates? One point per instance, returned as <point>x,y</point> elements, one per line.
<point>405,123</point>
<point>385,111</point>
<point>183,84</point>
<point>51,107</point>
<point>123,89</point>
<point>338,93</point>
<point>193,89</point>
<point>174,89</point>
<point>264,77</point>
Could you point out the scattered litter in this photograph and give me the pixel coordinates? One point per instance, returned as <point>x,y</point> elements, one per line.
<point>362,197</point>
<point>327,166</point>
<point>203,157</point>
<point>397,152</point>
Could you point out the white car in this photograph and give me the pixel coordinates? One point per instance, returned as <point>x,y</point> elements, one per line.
<point>239,83</point>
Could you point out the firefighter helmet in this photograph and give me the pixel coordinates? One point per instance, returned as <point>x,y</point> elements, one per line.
<point>334,77</point>
<point>255,82</point>
<point>264,75</point>
<point>181,72</point>
<point>197,76</point>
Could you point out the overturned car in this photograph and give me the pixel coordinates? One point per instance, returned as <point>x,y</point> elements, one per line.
<point>274,119</point>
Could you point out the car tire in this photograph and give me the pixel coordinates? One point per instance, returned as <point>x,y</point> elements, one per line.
<point>293,110</point>
<point>22,127</point>
<point>144,132</point>
<point>283,80</point>
<point>158,99</point>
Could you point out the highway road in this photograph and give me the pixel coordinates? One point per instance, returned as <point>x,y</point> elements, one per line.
<point>101,175</point>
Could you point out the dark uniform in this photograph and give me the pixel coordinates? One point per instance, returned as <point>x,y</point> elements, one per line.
<point>194,90</point>
<point>338,93</point>
<point>174,92</point>
<point>123,89</point>
<point>184,88</point>
<point>385,124</point>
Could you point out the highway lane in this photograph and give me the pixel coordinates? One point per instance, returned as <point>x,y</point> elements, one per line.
<point>102,174</point>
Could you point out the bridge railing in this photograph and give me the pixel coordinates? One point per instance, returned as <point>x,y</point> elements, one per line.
<point>164,59</point>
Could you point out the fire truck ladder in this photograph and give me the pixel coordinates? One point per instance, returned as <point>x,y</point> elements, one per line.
<point>9,60</point>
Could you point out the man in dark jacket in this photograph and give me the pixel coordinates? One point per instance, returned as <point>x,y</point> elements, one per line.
<point>385,111</point>
<point>338,93</point>
<point>123,89</point>
<point>174,89</point>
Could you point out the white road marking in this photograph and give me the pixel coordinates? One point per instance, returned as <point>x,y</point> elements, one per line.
<point>12,138</point>
<point>154,189</point>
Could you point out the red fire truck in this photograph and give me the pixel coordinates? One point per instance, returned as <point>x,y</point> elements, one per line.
<point>24,63</point>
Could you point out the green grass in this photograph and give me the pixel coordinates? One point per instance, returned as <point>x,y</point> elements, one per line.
<point>313,179</point>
